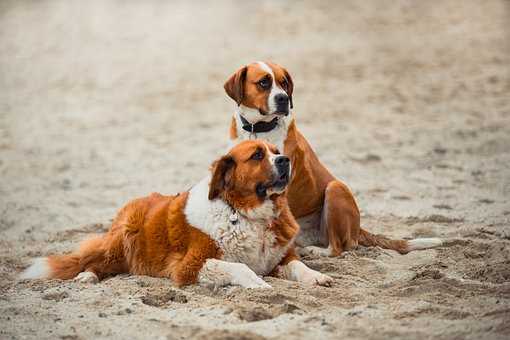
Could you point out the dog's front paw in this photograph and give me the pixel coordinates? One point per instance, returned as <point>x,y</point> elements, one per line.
<point>86,277</point>
<point>314,251</point>
<point>245,277</point>
<point>298,271</point>
<point>324,280</point>
<point>258,283</point>
<point>315,278</point>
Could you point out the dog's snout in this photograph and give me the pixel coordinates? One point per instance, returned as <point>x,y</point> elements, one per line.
<point>281,99</point>
<point>282,165</point>
<point>281,161</point>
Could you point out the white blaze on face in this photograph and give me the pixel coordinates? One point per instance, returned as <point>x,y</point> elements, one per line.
<point>275,89</point>
<point>272,157</point>
<point>272,160</point>
<point>276,136</point>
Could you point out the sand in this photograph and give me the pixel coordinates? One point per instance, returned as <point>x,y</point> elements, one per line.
<point>406,101</point>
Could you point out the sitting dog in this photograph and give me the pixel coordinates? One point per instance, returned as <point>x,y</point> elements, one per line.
<point>230,228</point>
<point>323,206</point>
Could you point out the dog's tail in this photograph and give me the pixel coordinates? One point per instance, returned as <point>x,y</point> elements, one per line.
<point>65,267</point>
<point>53,267</point>
<point>368,239</point>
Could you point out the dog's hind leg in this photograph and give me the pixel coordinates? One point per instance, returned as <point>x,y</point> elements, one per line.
<point>101,257</point>
<point>340,221</point>
<point>96,259</point>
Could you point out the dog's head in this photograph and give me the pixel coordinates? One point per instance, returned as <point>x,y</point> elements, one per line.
<point>262,90</point>
<point>249,174</point>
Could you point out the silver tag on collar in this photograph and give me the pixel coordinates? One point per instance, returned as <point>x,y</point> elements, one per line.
<point>233,217</point>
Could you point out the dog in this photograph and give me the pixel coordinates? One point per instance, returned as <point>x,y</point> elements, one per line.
<point>231,228</point>
<point>324,207</point>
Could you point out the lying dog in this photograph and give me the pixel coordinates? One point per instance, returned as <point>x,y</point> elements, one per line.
<point>324,206</point>
<point>228,229</point>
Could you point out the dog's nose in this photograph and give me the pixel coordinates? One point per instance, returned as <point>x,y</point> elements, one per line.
<point>281,99</point>
<point>281,161</point>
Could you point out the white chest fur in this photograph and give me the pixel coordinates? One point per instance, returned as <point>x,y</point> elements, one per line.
<point>246,241</point>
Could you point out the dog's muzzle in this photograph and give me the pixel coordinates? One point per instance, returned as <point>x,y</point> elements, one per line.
<point>281,101</point>
<point>281,176</point>
<point>282,165</point>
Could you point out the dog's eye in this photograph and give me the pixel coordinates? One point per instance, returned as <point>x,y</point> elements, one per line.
<point>265,83</point>
<point>258,155</point>
<point>284,83</point>
<point>276,152</point>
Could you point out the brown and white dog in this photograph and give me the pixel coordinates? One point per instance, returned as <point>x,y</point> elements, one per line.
<point>323,206</point>
<point>230,228</point>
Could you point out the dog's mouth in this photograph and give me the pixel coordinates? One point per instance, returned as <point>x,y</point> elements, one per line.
<point>280,181</point>
<point>277,112</point>
<point>275,186</point>
<point>281,112</point>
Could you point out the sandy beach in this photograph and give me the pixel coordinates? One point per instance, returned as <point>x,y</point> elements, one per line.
<point>408,102</point>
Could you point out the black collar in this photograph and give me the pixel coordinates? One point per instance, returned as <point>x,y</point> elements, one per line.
<point>259,126</point>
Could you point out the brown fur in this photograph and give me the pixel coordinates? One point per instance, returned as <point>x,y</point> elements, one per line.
<point>236,175</point>
<point>150,235</point>
<point>243,87</point>
<point>283,79</point>
<point>233,129</point>
<point>285,227</point>
<point>313,188</point>
<point>235,85</point>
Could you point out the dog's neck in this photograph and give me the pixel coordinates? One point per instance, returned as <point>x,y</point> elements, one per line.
<point>201,211</point>
<point>276,135</point>
<point>259,127</point>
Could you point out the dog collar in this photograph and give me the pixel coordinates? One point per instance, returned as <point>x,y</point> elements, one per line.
<point>259,126</point>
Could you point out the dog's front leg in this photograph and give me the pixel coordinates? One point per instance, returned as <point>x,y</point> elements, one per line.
<point>220,273</point>
<point>296,270</point>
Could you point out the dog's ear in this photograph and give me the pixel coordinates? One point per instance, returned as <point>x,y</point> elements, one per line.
<point>290,86</point>
<point>235,85</point>
<point>221,176</point>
